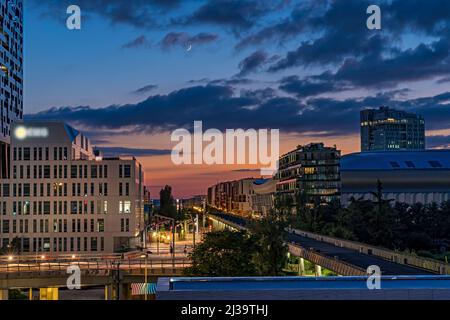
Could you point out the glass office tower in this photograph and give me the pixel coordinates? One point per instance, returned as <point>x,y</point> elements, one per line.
<point>11,74</point>
<point>387,129</point>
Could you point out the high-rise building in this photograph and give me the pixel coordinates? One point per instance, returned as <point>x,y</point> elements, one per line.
<point>387,129</point>
<point>62,198</point>
<point>311,173</point>
<point>11,74</point>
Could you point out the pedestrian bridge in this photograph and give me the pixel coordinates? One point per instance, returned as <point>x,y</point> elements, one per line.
<point>27,272</point>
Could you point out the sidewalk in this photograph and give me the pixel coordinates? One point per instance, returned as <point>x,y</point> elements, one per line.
<point>180,246</point>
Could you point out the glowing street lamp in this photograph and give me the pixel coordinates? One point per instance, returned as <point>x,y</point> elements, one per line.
<point>146,274</point>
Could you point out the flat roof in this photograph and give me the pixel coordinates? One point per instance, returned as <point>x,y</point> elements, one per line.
<point>310,283</point>
<point>397,160</point>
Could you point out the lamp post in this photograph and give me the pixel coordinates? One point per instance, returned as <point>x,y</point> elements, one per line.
<point>146,275</point>
<point>195,227</point>
<point>173,243</point>
<point>117,279</point>
<point>157,238</point>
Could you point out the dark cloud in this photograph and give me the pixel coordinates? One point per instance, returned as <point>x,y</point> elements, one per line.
<point>138,13</point>
<point>260,94</point>
<point>136,152</point>
<point>256,61</point>
<point>438,142</point>
<point>428,17</point>
<point>443,80</point>
<point>311,86</point>
<point>139,42</point>
<point>223,81</point>
<point>234,14</point>
<point>145,89</point>
<point>422,62</point>
<point>335,40</point>
<point>377,71</point>
<point>222,107</point>
<point>330,49</point>
<point>185,40</point>
<point>290,27</point>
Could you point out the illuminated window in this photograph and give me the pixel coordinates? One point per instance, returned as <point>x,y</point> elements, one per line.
<point>310,170</point>
<point>127,206</point>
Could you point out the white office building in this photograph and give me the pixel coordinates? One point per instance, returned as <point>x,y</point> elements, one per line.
<point>62,198</point>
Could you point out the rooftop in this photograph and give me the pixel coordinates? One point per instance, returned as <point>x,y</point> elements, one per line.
<point>397,160</point>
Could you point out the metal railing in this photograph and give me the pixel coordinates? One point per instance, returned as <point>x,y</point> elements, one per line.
<point>106,265</point>
<point>338,266</point>
<point>386,254</point>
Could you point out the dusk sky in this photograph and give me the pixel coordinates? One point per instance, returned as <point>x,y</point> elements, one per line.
<point>139,69</point>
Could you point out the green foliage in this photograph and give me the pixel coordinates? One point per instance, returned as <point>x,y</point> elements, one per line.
<point>270,235</point>
<point>228,253</point>
<point>167,203</point>
<point>398,226</point>
<point>223,253</point>
<point>16,294</point>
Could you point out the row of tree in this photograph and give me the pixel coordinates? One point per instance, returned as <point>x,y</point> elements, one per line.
<point>380,222</point>
<point>260,251</point>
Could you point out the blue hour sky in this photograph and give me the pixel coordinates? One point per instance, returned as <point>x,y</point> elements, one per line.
<point>138,69</point>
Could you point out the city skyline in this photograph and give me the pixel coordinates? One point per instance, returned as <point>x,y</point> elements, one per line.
<point>233,149</point>
<point>155,66</point>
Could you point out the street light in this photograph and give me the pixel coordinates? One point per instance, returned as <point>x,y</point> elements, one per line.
<point>10,258</point>
<point>117,279</point>
<point>145,274</point>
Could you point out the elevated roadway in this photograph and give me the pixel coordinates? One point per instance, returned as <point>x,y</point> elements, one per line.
<point>334,255</point>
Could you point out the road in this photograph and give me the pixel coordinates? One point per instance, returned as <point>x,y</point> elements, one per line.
<point>347,255</point>
<point>356,258</point>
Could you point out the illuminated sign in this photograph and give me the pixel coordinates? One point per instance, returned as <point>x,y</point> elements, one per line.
<point>21,133</point>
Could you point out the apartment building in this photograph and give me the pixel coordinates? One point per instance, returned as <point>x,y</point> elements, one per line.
<point>310,172</point>
<point>63,198</point>
<point>248,196</point>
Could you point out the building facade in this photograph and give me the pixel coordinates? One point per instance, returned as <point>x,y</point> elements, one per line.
<point>387,129</point>
<point>11,74</point>
<point>312,172</point>
<point>248,196</point>
<point>197,201</point>
<point>61,198</point>
<point>406,176</point>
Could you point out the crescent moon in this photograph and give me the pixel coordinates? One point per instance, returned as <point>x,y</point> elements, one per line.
<point>189,48</point>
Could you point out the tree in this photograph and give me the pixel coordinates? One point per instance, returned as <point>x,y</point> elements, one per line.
<point>223,253</point>
<point>381,221</point>
<point>167,203</point>
<point>270,235</point>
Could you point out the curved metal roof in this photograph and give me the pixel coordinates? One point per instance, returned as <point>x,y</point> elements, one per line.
<point>260,181</point>
<point>397,160</point>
